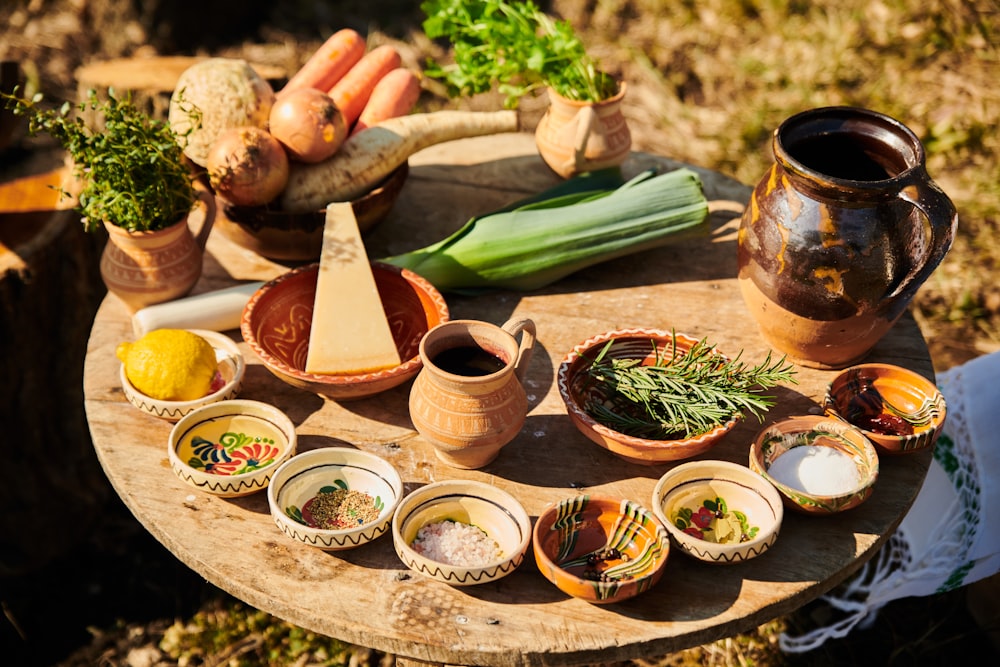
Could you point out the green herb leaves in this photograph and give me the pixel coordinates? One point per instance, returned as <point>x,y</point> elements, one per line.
<point>681,394</point>
<point>514,46</point>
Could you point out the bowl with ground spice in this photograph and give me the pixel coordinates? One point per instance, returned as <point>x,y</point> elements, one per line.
<point>819,464</point>
<point>334,498</point>
<point>718,511</point>
<point>461,532</point>
<point>599,548</point>
<point>899,410</point>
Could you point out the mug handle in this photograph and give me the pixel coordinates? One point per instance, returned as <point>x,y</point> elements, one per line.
<point>927,197</point>
<point>525,327</point>
<point>207,210</point>
<point>584,122</point>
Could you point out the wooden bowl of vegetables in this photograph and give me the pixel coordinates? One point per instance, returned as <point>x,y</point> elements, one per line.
<point>601,379</point>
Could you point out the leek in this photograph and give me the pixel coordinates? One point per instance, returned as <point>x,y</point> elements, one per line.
<point>588,219</point>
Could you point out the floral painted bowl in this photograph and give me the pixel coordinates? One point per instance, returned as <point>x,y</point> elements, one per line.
<point>334,498</point>
<point>461,532</point>
<point>577,393</point>
<point>718,511</point>
<point>600,549</point>
<point>232,367</point>
<point>898,410</point>
<point>231,448</point>
<point>277,319</point>
<point>820,465</point>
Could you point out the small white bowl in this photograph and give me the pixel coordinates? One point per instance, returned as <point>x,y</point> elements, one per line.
<point>231,448</point>
<point>695,487</point>
<point>494,511</point>
<point>305,476</point>
<point>232,367</point>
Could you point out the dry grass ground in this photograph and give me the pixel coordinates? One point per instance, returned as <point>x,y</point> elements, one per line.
<point>708,81</point>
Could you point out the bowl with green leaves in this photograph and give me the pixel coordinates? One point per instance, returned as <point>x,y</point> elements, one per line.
<point>651,396</point>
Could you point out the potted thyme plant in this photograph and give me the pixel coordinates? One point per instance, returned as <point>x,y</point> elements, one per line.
<point>518,49</point>
<point>131,177</point>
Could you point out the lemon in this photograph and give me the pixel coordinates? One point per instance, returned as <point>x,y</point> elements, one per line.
<point>169,364</point>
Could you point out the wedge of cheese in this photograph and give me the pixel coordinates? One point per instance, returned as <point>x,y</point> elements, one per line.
<point>350,333</point>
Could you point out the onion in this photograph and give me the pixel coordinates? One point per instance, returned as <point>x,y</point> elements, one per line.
<point>308,124</point>
<point>247,166</point>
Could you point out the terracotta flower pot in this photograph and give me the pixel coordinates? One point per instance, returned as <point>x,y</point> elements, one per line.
<point>575,137</point>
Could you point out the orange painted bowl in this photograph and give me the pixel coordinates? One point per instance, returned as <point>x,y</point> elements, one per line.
<point>718,511</point>
<point>298,237</point>
<point>277,319</point>
<point>600,549</point>
<point>819,464</point>
<point>231,448</point>
<point>579,394</point>
<point>898,410</point>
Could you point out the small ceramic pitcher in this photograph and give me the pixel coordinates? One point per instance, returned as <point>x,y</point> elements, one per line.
<point>468,400</point>
<point>839,234</point>
<point>574,137</point>
<point>146,268</point>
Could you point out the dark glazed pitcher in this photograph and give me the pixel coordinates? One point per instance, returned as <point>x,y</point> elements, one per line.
<point>839,234</point>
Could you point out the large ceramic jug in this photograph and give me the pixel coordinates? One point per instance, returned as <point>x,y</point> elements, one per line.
<point>839,234</point>
<point>468,400</point>
<point>146,268</point>
<point>574,137</point>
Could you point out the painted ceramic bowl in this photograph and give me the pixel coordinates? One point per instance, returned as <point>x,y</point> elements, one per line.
<point>820,465</point>
<point>231,448</point>
<point>461,532</point>
<point>718,511</point>
<point>277,319</point>
<point>298,237</point>
<point>577,393</point>
<point>232,367</point>
<point>600,549</point>
<point>898,410</point>
<point>334,498</point>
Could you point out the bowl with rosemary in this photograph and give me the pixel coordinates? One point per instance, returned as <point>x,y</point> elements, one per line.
<point>718,511</point>
<point>651,396</point>
<point>334,498</point>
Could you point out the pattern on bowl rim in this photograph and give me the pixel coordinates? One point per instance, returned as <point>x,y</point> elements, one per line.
<point>346,468</point>
<point>493,510</point>
<point>759,501</point>
<point>220,455</point>
<point>232,367</point>
<point>631,343</point>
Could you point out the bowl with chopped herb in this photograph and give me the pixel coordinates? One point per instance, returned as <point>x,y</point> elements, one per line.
<point>599,548</point>
<point>461,532</point>
<point>718,511</point>
<point>334,498</point>
<point>651,396</point>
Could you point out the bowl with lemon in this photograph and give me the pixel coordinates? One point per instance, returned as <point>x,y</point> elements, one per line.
<point>169,373</point>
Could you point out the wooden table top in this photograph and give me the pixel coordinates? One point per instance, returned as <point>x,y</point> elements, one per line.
<point>361,596</point>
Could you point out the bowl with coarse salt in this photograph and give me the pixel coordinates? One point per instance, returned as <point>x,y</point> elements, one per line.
<point>461,532</point>
<point>819,464</point>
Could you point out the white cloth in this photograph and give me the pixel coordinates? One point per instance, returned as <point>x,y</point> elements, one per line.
<point>951,535</point>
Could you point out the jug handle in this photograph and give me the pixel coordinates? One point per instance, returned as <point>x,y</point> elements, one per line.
<point>942,219</point>
<point>206,209</point>
<point>525,327</point>
<point>584,121</point>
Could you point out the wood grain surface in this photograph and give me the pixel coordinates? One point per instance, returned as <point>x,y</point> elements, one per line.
<point>366,596</point>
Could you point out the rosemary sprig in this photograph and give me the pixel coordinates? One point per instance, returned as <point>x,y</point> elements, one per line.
<point>679,395</point>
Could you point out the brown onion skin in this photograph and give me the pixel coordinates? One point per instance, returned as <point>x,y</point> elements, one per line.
<point>308,124</point>
<point>247,166</point>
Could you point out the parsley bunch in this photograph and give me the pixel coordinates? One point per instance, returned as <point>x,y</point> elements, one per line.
<point>133,171</point>
<point>515,46</point>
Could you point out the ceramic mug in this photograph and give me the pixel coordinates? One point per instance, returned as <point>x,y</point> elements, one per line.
<point>468,400</point>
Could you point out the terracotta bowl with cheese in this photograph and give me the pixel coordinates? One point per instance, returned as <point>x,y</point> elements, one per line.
<point>277,321</point>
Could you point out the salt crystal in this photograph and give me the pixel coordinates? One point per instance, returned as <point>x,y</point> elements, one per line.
<point>823,471</point>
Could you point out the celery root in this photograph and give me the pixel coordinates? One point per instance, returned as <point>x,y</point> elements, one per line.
<point>369,156</point>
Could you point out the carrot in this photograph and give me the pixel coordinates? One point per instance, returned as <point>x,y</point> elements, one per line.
<point>394,95</point>
<point>367,157</point>
<point>351,93</point>
<point>331,61</point>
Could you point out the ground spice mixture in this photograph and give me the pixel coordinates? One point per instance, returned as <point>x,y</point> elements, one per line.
<point>340,509</point>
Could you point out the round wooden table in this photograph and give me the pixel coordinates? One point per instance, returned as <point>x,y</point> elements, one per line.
<point>366,596</point>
